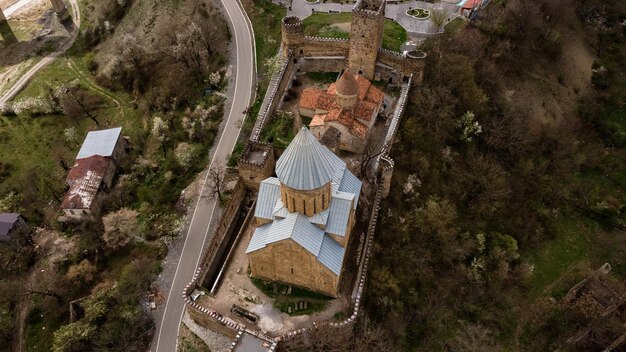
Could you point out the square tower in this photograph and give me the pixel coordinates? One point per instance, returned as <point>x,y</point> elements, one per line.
<point>366,36</point>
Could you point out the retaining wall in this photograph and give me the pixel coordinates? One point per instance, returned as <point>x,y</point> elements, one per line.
<point>219,241</point>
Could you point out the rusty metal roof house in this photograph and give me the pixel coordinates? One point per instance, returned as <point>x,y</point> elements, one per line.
<point>92,173</point>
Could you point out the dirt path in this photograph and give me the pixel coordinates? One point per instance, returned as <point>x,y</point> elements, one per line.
<point>96,88</point>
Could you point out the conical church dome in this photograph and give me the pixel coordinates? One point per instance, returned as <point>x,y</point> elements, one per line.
<point>306,164</point>
<point>347,85</point>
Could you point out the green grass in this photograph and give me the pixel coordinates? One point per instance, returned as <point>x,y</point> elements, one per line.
<point>38,142</point>
<point>278,131</point>
<point>570,249</point>
<point>266,18</point>
<point>454,25</point>
<point>321,24</point>
<point>315,302</point>
<point>42,320</point>
<point>322,77</point>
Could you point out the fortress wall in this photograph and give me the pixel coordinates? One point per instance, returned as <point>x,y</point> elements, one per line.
<point>322,64</point>
<point>318,46</point>
<point>404,65</point>
<point>274,95</point>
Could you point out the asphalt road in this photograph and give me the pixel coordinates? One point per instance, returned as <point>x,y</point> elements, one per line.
<point>21,83</point>
<point>198,229</point>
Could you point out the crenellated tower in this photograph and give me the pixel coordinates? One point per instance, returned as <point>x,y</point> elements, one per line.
<point>366,36</point>
<point>292,34</point>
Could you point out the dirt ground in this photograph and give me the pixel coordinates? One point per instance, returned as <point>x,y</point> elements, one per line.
<point>552,102</point>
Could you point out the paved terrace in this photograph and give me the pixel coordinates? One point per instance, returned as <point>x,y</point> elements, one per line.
<point>397,12</point>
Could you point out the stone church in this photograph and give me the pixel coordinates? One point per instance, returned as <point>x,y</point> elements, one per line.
<point>350,106</point>
<point>305,217</point>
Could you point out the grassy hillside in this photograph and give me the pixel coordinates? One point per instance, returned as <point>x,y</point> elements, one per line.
<point>127,68</point>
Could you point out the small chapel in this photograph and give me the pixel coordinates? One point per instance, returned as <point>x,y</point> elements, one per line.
<point>304,218</point>
<point>348,109</point>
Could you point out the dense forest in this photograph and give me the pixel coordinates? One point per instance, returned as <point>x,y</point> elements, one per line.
<point>509,184</point>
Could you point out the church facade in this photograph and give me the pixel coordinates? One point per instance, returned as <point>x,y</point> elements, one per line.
<point>304,218</point>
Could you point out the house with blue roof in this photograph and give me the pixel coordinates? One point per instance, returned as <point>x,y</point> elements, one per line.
<point>304,218</point>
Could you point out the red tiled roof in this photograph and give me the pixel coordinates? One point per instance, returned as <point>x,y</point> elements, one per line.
<point>309,97</point>
<point>344,117</point>
<point>364,85</point>
<point>84,181</point>
<point>374,95</point>
<point>318,120</point>
<point>326,102</point>
<point>332,89</point>
<point>365,110</point>
<point>370,99</point>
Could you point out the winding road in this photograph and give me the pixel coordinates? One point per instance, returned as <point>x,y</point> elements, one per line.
<point>198,229</point>
<point>74,27</point>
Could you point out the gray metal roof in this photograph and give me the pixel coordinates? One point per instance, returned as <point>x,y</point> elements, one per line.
<point>298,228</point>
<point>306,164</point>
<point>269,192</point>
<point>331,255</point>
<point>7,221</point>
<point>294,226</point>
<point>340,208</point>
<point>351,184</point>
<point>99,143</point>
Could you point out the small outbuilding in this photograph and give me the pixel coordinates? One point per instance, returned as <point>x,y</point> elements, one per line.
<point>12,227</point>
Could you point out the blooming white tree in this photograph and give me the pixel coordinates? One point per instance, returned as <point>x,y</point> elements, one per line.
<point>120,228</point>
<point>185,153</point>
<point>71,135</point>
<point>159,128</point>
<point>469,126</point>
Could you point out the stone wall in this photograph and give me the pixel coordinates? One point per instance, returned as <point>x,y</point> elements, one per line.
<point>274,96</point>
<point>308,202</point>
<point>319,46</point>
<point>219,241</point>
<point>322,63</point>
<point>288,262</point>
<point>404,65</point>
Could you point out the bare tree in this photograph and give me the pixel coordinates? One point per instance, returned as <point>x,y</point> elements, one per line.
<point>438,17</point>
<point>216,181</point>
<point>366,159</point>
<point>78,103</point>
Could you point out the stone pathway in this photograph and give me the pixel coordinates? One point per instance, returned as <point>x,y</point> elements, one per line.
<point>397,12</point>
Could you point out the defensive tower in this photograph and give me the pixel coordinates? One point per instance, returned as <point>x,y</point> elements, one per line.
<point>366,36</point>
<point>292,34</point>
<point>60,9</point>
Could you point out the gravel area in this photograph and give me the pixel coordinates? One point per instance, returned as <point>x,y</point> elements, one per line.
<point>216,342</point>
